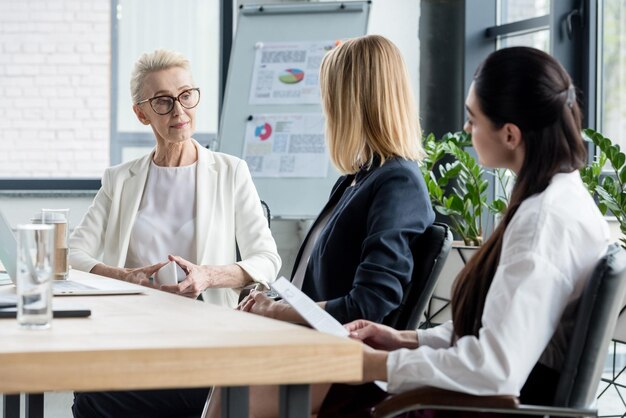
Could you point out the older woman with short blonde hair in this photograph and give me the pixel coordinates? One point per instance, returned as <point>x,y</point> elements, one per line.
<point>180,203</point>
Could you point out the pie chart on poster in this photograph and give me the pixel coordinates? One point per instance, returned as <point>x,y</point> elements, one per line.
<point>263,131</point>
<point>291,76</point>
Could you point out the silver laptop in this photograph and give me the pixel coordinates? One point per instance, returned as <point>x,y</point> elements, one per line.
<point>8,257</point>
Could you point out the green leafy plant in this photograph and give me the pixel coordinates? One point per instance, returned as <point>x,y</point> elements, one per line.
<point>457,185</point>
<point>607,182</point>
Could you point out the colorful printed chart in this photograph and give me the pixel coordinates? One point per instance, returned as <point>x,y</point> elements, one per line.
<point>287,73</point>
<point>291,76</point>
<point>286,145</point>
<point>263,132</point>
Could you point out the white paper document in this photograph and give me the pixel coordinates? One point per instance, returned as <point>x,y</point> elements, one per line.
<point>317,317</point>
<point>286,145</point>
<point>309,310</point>
<point>287,72</point>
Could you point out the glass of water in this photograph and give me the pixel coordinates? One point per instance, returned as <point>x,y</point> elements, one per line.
<point>35,268</point>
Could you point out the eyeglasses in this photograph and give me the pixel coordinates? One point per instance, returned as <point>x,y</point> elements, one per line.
<point>163,105</point>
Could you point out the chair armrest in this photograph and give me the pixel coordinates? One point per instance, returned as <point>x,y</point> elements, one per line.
<point>433,398</point>
<point>555,411</point>
<point>439,399</point>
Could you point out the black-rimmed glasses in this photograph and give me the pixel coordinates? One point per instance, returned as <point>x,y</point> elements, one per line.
<point>163,105</point>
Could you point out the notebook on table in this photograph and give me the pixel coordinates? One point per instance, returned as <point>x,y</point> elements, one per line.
<point>8,257</point>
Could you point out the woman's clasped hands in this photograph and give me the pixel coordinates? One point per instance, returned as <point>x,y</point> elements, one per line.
<point>141,275</point>
<point>197,278</point>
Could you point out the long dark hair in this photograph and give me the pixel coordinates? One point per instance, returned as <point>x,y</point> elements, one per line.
<point>530,89</point>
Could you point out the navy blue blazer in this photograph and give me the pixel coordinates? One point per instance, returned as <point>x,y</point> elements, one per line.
<point>362,261</point>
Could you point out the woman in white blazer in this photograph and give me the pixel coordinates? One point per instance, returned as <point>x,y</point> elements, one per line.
<point>228,209</point>
<point>180,203</point>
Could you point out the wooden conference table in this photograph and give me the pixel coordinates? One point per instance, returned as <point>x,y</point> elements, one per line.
<point>160,340</point>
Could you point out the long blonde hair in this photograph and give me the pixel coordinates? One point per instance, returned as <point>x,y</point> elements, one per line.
<point>369,108</point>
<point>149,62</point>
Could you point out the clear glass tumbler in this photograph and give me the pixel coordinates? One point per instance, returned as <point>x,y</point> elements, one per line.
<point>35,268</point>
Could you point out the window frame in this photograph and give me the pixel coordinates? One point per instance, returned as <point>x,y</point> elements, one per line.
<point>573,29</point>
<point>573,26</point>
<point>12,185</point>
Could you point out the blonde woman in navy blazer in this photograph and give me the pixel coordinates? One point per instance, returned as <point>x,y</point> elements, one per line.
<point>361,260</point>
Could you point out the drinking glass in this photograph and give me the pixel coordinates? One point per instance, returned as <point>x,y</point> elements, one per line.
<point>60,219</point>
<point>35,267</point>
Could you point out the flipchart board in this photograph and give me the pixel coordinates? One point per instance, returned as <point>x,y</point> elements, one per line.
<point>272,116</point>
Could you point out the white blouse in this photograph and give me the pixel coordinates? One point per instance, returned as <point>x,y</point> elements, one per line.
<point>165,222</point>
<point>548,252</point>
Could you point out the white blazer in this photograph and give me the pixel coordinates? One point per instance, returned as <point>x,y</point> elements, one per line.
<point>228,210</point>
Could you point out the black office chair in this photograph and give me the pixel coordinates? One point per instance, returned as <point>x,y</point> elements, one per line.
<point>266,212</point>
<point>597,314</point>
<point>429,251</point>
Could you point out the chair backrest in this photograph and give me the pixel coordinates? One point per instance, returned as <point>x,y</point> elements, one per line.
<point>266,212</point>
<point>596,316</point>
<point>429,251</point>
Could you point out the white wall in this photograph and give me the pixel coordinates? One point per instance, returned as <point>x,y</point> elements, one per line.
<point>54,81</point>
<point>398,21</point>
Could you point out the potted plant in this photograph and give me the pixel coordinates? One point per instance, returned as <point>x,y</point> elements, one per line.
<point>607,182</point>
<point>457,185</point>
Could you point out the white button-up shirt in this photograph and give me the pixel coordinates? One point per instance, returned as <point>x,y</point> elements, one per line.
<point>548,253</point>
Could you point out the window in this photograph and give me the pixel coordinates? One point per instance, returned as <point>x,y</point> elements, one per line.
<point>539,40</point>
<point>64,77</point>
<point>612,71</point>
<point>524,23</point>
<point>54,82</point>
<point>191,28</point>
<point>516,10</point>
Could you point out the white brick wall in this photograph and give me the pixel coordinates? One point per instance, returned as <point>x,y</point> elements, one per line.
<point>54,88</point>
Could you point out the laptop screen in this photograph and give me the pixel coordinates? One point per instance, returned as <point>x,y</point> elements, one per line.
<point>8,247</point>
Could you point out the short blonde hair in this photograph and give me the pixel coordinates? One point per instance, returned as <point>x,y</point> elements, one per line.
<point>149,62</point>
<point>369,107</point>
